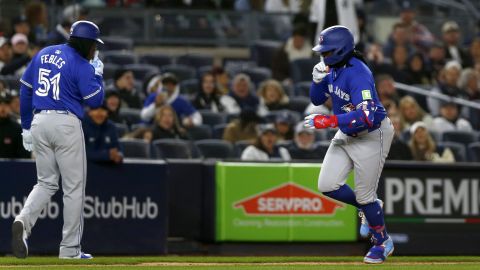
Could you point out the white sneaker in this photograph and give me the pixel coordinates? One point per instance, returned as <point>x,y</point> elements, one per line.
<point>84,256</point>
<point>19,240</point>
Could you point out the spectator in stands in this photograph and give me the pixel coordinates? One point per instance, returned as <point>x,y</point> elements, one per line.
<point>469,82</point>
<point>15,106</point>
<point>284,127</point>
<point>113,104</point>
<point>168,93</point>
<point>166,125</point>
<point>209,97</point>
<point>11,143</point>
<point>420,36</point>
<point>386,88</point>
<point>37,18</point>
<point>417,70</point>
<point>451,38</point>
<point>411,112</point>
<point>144,133</point>
<point>264,147</point>
<point>448,85</point>
<point>475,50</point>
<point>423,146</point>
<point>222,80</point>
<point>436,60</point>
<point>21,26</point>
<point>374,56</point>
<point>5,53</point>
<point>272,97</point>
<point>243,128</point>
<point>296,47</point>
<point>450,119</point>
<point>19,56</point>
<point>399,68</point>
<point>303,145</point>
<point>101,139</point>
<point>124,84</point>
<point>399,150</point>
<point>242,94</point>
<point>398,37</point>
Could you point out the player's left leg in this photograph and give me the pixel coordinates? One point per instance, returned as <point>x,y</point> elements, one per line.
<point>368,154</point>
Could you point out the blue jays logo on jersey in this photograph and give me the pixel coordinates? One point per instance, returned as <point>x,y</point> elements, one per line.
<point>338,92</point>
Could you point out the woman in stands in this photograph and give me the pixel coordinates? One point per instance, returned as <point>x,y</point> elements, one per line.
<point>411,112</point>
<point>209,98</point>
<point>423,146</point>
<point>166,125</point>
<point>272,97</point>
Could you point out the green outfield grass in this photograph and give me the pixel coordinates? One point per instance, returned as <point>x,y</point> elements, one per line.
<point>242,263</point>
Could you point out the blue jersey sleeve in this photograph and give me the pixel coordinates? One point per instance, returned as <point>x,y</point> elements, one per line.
<point>26,92</point>
<point>319,92</point>
<point>90,85</point>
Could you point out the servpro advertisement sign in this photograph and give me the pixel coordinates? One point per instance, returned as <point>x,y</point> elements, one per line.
<point>278,202</point>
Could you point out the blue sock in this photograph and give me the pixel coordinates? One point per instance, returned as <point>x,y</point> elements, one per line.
<point>374,214</point>
<point>344,194</point>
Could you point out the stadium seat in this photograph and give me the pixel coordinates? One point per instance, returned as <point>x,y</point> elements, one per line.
<point>258,74</point>
<point>141,71</point>
<point>298,104</point>
<point>195,60</point>
<point>135,148</point>
<point>262,52</point>
<point>241,145</point>
<point>302,88</point>
<point>114,43</point>
<point>172,148</point>
<point>109,70</point>
<point>463,137</point>
<point>474,152</point>
<point>119,57</point>
<point>215,148</point>
<point>458,150</point>
<point>130,116</point>
<point>301,69</point>
<point>181,71</point>
<point>122,129</point>
<point>201,132</point>
<point>190,87</point>
<point>158,60</point>
<point>213,118</point>
<point>218,131</point>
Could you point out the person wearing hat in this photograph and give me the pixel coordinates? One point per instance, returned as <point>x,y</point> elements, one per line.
<point>113,104</point>
<point>451,37</point>
<point>169,93</point>
<point>124,85</point>
<point>264,148</point>
<point>14,55</point>
<point>303,146</point>
<point>284,126</point>
<point>101,139</point>
<point>423,146</point>
<point>450,120</point>
<point>10,132</point>
<point>420,36</point>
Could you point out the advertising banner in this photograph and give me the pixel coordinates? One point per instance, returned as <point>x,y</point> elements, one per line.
<point>278,202</point>
<point>125,209</point>
<point>430,208</point>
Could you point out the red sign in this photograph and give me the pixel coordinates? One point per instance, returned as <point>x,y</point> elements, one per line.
<point>289,199</point>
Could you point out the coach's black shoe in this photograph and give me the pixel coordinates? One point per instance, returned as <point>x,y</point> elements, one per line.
<point>19,240</point>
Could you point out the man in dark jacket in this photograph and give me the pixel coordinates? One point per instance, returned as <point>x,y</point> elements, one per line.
<point>303,145</point>
<point>10,133</point>
<point>124,85</point>
<point>101,137</point>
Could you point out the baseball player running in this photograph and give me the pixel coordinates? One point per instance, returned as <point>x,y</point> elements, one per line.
<point>56,83</point>
<point>365,134</point>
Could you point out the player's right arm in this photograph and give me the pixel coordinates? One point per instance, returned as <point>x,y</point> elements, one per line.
<point>90,85</point>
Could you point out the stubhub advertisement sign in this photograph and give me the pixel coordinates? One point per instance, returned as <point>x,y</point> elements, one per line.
<point>278,202</point>
<point>125,209</point>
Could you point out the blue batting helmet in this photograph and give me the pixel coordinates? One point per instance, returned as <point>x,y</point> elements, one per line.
<point>85,29</point>
<point>337,39</point>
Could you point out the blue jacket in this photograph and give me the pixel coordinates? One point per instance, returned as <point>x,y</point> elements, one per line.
<point>99,139</point>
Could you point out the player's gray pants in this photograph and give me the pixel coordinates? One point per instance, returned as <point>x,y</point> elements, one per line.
<point>59,148</point>
<point>364,154</point>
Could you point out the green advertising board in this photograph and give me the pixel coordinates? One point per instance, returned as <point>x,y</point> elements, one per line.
<point>278,202</point>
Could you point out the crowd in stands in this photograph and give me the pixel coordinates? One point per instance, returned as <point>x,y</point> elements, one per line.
<point>187,107</point>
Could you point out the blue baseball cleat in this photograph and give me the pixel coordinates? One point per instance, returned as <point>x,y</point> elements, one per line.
<point>379,253</point>
<point>364,227</point>
<point>84,256</point>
